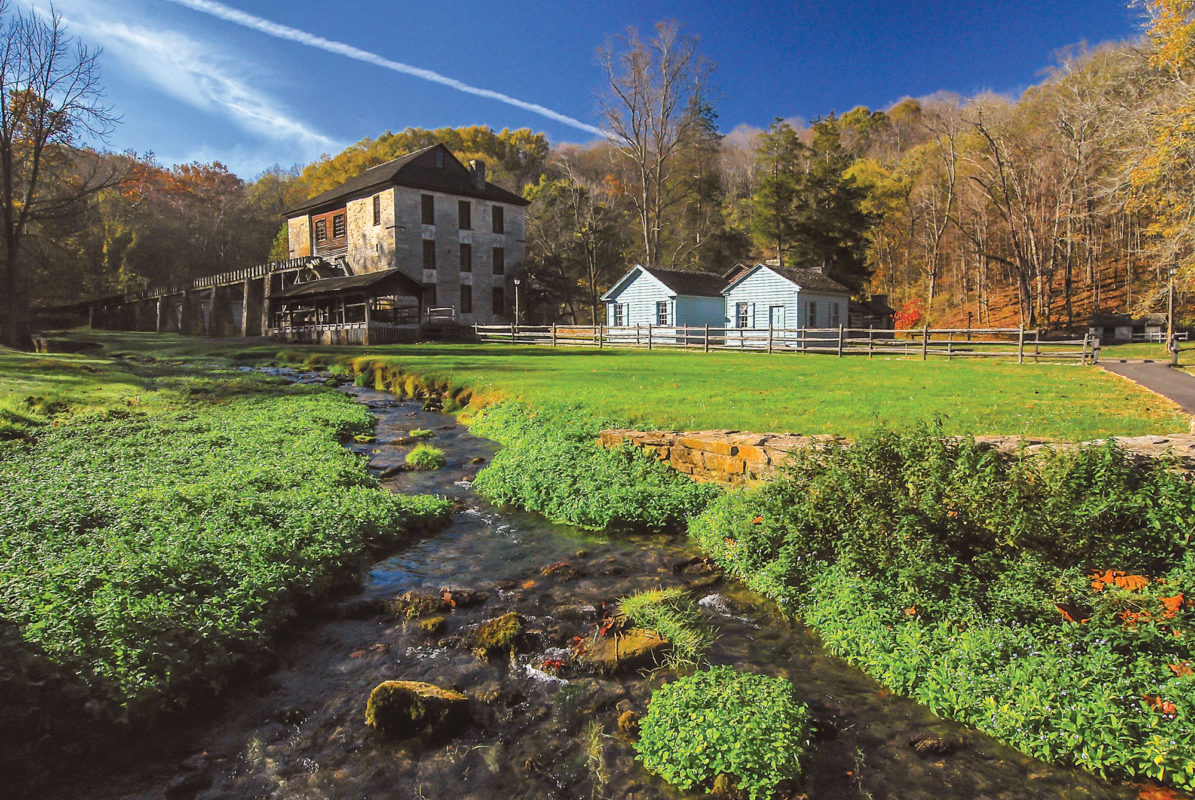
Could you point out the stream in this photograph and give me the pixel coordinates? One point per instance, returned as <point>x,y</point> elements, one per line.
<point>538,730</point>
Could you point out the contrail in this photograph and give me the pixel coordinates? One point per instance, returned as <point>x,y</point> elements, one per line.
<point>229,14</point>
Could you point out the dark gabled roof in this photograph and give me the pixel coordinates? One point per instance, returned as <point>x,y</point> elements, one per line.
<point>411,170</point>
<point>700,284</point>
<point>805,278</point>
<point>387,279</point>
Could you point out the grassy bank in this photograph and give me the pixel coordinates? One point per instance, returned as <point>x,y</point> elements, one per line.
<point>746,391</point>
<point>157,525</point>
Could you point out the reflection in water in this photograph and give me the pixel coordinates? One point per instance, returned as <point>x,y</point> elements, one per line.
<point>538,731</point>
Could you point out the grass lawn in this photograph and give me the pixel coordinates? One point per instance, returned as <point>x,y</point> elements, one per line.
<point>745,391</point>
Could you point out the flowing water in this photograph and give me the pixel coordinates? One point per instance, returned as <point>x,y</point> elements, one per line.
<point>536,732</point>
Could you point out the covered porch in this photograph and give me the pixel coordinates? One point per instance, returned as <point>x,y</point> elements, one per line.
<point>374,308</point>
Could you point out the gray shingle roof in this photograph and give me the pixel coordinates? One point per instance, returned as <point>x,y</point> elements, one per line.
<point>408,170</point>
<point>701,284</point>
<point>810,279</point>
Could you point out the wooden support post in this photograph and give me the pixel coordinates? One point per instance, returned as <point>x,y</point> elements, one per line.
<point>1036,344</point>
<point>707,337</point>
<point>1086,339</point>
<point>649,336</point>
<point>246,305</point>
<point>949,345</point>
<point>601,335</point>
<point>368,322</point>
<point>924,342</point>
<point>553,334</point>
<point>266,286</point>
<point>211,323</point>
<point>1021,345</point>
<point>1095,351</point>
<point>870,342</point>
<point>769,336</point>
<point>158,314</point>
<point>841,331</point>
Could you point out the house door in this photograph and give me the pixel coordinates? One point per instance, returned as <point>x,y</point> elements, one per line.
<point>776,316</point>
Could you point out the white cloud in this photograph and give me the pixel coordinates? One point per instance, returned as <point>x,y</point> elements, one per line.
<point>194,72</point>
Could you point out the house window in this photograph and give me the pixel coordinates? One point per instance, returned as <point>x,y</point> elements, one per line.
<point>466,299</point>
<point>499,220</point>
<point>812,315</point>
<point>620,314</point>
<point>662,312</point>
<point>429,254</point>
<point>429,209</point>
<point>499,301</point>
<point>338,226</point>
<point>499,261</point>
<point>377,209</point>
<point>466,257</point>
<point>740,314</point>
<point>464,211</point>
<point>321,230</point>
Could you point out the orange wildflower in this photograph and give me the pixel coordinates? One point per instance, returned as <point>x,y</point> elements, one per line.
<point>1132,582</point>
<point>1101,579</point>
<point>1182,669</point>
<point>757,521</point>
<point>1159,704</point>
<point>911,611</point>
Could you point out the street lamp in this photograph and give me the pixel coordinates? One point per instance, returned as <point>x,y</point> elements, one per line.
<point>517,282</point>
<point>1171,344</point>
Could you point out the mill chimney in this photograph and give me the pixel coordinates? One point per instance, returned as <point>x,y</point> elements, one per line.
<point>477,174</point>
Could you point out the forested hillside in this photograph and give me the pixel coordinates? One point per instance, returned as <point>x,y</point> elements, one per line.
<point>1035,210</point>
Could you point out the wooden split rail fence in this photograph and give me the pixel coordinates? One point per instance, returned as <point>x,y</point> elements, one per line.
<point>1019,343</point>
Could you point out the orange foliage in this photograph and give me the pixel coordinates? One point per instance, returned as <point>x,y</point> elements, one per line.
<point>1171,605</point>
<point>1117,577</point>
<point>1160,704</point>
<point>1183,669</point>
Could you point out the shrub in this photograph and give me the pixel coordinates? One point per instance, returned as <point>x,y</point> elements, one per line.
<point>425,456</point>
<point>550,462</point>
<point>724,722</point>
<point>670,613</point>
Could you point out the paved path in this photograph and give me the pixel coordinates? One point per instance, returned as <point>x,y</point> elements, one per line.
<point>1158,377</point>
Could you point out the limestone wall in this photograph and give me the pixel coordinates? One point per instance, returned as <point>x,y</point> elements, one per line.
<point>736,457</point>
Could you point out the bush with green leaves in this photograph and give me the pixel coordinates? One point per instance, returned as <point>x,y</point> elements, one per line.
<point>426,457</point>
<point>724,722</point>
<point>670,613</point>
<point>1045,599</point>
<point>550,462</point>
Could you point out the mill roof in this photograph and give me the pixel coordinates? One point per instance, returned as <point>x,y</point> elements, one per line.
<point>416,170</point>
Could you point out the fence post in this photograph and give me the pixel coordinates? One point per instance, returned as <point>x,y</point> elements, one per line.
<point>1021,345</point>
<point>769,336</point>
<point>637,342</point>
<point>707,337</point>
<point>476,332</point>
<point>870,341</point>
<point>1086,339</point>
<point>601,334</point>
<point>840,332</point>
<point>553,334</point>
<point>1036,344</point>
<point>1095,351</point>
<point>924,342</point>
<point>649,336</point>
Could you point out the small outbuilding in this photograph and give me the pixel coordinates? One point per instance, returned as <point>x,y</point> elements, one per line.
<point>872,313</point>
<point>767,295</point>
<point>651,296</point>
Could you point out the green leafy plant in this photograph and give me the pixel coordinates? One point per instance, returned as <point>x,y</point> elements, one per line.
<point>425,456</point>
<point>670,613</point>
<point>422,433</point>
<point>724,722</point>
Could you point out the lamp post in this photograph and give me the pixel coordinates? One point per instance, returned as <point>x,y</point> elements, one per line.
<point>517,282</point>
<point>1171,344</point>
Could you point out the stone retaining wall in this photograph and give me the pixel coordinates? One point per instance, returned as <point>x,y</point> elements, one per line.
<point>736,457</point>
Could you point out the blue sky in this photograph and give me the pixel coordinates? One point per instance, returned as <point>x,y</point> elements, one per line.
<point>191,83</point>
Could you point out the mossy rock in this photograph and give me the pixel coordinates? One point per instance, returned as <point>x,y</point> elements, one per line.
<point>496,637</point>
<point>407,709</point>
<point>433,625</point>
<point>414,604</point>
<point>624,651</point>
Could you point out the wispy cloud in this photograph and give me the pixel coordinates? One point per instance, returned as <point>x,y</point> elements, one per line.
<point>197,73</point>
<point>269,28</point>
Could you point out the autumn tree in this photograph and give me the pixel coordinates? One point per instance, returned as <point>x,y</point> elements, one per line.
<point>50,98</point>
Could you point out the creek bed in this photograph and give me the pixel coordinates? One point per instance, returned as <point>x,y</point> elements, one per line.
<point>537,732</point>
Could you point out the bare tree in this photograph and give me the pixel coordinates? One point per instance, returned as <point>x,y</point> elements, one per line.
<point>651,86</point>
<point>50,97</point>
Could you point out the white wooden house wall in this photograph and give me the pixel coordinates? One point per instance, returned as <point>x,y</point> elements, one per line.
<point>639,297</point>
<point>773,298</point>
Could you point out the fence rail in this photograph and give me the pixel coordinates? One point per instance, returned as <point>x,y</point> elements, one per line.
<point>1019,343</point>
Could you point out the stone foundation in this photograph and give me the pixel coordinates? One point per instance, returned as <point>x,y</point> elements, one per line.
<point>736,457</point>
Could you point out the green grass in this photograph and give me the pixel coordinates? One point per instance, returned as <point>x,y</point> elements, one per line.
<point>670,613</point>
<point>157,525</point>
<point>746,391</point>
<point>425,457</point>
